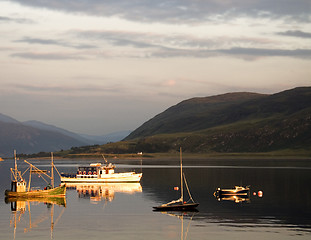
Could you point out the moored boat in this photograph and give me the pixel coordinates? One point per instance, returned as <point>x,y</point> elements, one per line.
<point>237,191</point>
<point>179,204</point>
<point>98,173</point>
<point>20,188</point>
<point>52,192</point>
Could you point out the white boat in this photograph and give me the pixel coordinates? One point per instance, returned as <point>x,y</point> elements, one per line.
<point>98,173</point>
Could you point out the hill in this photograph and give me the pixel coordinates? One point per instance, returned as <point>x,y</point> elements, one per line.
<point>233,122</point>
<point>228,123</point>
<point>194,114</point>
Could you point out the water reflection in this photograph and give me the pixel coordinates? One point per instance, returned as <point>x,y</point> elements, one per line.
<point>238,194</point>
<point>286,197</point>
<point>283,212</point>
<point>103,191</point>
<point>236,199</point>
<point>21,207</point>
<point>183,216</point>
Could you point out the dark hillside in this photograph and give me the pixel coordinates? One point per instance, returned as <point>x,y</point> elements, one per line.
<point>193,114</point>
<point>202,113</point>
<point>234,122</point>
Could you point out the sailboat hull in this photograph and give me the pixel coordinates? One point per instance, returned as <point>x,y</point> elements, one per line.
<point>177,207</point>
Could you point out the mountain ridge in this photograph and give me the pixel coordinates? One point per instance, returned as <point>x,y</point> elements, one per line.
<point>252,123</point>
<point>202,113</point>
<point>34,136</point>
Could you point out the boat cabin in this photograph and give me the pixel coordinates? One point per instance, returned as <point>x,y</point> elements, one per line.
<point>18,186</point>
<point>95,170</point>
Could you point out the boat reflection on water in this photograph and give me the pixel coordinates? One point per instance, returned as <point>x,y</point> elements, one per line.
<point>236,199</point>
<point>103,191</point>
<point>238,194</point>
<point>184,215</point>
<point>17,203</point>
<point>19,208</point>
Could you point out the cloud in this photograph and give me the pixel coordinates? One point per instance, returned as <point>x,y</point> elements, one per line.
<point>296,33</point>
<point>174,45</point>
<point>67,89</point>
<point>181,11</point>
<point>259,52</point>
<point>54,42</point>
<point>245,53</point>
<point>119,38</point>
<point>15,20</point>
<point>47,56</point>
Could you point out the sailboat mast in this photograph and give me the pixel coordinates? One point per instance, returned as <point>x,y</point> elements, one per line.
<point>15,167</point>
<point>52,170</point>
<point>181,178</point>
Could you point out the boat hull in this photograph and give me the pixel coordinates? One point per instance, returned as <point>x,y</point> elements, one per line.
<point>110,178</point>
<point>178,207</point>
<point>54,192</point>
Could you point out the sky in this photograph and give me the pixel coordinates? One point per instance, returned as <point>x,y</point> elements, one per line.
<point>103,66</point>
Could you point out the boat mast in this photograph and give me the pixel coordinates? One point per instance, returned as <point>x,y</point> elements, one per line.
<point>181,178</point>
<point>29,178</point>
<point>52,170</point>
<point>15,167</point>
<point>15,163</point>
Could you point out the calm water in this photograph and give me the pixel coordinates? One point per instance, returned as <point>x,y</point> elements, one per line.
<point>124,211</point>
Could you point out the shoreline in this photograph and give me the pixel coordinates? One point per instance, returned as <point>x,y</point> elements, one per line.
<point>185,156</point>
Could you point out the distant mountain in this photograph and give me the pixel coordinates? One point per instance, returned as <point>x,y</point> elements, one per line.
<point>112,137</point>
<point>7,119</point>
<point>48,127</point>
<point>233,122</point>
<point>33,136</point>
<point>86,138</point>
<point>26,139</point>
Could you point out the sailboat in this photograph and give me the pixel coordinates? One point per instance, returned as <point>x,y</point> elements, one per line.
<point>179,204</point>
<point>19,188</point>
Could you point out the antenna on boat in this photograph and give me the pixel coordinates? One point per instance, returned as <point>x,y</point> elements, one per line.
<point>104,158</point>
